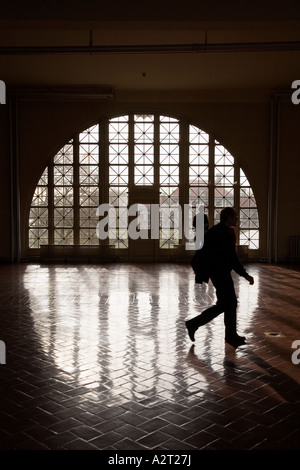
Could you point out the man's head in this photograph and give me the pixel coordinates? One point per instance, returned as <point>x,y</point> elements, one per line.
<point>229,216</point>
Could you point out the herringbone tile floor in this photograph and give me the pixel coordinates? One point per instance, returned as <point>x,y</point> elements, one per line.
<point>97,357</point>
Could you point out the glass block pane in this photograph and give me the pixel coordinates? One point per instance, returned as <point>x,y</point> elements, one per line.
<point>89,154</point>
<point>63,217</point>
<point>197,136</point>
<point>198,195</point>
<point>144,154</point>
<point>90,135</point>
<point>247,198</point>
<point>65,155</point>
<point>63,175</point>
<point>144,175</point>
<point>198,155</point>
<point>89,175</point>
<point>224,197</point>
<point>169,196</point>
<point>118,175</point>
<point>88,237</point>
<point>169,238</point>
<point>89,196</point>
<point>40,196</point>
<point>118,154</point>
<point>118,196</point>
<point>222,156</point>
<point>63,196</point>
<point>169,132</point>
<point>118,132</point>
<point>169,154</point>
<point>38,217</point>
<point>250,238</point>
<point>88,217</point>
<point>224,176</point>
<point>63,236</point>
<point>169,175</point>
<point>199,175</point>
<point>248,219</point>
<point>37,237</point>
<point>144,132</point>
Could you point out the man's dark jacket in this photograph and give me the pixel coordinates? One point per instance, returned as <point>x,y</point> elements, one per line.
<point>218,255</point>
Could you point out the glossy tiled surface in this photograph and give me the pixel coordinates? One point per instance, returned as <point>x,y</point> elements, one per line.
<point>97,357</point>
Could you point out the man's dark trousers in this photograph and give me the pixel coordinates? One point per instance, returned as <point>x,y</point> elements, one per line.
<point>226,302</point>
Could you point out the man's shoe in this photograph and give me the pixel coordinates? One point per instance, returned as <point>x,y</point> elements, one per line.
<point>191,330</point>
<point>235,340</point>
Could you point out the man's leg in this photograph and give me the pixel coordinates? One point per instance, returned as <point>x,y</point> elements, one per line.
<point>227,298</point>
<point>227,303</point>
<point>205,317</point>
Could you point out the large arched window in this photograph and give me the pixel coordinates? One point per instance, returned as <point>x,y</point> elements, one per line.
<point>140,158</point>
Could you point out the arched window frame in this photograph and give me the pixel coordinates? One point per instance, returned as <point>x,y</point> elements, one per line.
<point>217,181</point>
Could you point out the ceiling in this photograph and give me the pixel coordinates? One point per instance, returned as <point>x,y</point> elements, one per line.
<point>152,46</point>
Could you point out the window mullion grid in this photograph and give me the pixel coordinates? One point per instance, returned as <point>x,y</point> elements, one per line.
<point>216,188</point>
<point>103,165</point>
<point>51,202</point>
<point>157,169</point>
<point>170,165</point>
<point>156,150</point>
<point>130,178</point>
<point>237,198</point>
<point>184,186</point>
<point>143,151</point>
<point>131,149</point>
<point>119,186</point>
<point>131,163</point>
<point>76,205</point>
<point>211,181</point>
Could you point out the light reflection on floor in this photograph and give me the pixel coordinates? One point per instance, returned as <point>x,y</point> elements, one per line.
<point>121,330</point>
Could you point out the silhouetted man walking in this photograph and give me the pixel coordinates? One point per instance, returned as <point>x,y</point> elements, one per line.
<point>215,261</point>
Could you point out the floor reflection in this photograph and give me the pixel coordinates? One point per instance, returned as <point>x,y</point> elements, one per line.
<point>119,330</point>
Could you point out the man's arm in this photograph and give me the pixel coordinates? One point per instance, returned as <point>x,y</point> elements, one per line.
<point>239,269</point>
<point>250,279</point>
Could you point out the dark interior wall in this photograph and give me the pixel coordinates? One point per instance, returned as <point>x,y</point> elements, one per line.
<point>5,184</point>
<point>288,176</point>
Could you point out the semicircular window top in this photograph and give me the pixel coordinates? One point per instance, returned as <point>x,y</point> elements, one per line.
<point>174,161</point>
